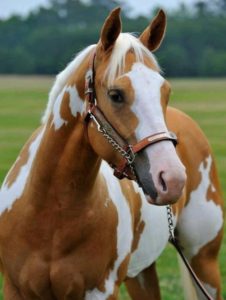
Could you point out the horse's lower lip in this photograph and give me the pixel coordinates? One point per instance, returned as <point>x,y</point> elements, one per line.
<point>150,200</point>
<point>154,201</point>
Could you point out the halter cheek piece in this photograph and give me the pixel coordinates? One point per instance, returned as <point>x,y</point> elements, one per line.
<point>128,151</point>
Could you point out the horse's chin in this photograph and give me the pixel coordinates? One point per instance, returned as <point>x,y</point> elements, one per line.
<point>158,201</point>
<point>152,201</point>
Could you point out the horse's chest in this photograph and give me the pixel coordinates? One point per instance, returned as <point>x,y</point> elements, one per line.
<point>67,277</point>
<point>50,280</point>
<point>51,260</point>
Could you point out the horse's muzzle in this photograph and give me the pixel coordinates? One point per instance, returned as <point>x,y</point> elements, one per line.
<point>165,185</point>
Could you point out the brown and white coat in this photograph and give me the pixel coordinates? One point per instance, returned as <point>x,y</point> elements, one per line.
<point>68,228</point>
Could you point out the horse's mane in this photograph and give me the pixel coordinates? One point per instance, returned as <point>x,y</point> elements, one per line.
<point>124,43</point>
<point>61,80</point>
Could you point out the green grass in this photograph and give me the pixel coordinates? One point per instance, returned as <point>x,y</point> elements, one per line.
<point>23,99</point>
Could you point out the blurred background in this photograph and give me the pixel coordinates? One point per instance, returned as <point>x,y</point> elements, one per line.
<point>42,36</point>
<point>38,38</point>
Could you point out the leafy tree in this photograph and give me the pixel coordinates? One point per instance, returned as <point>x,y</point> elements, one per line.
<point>48,38</point>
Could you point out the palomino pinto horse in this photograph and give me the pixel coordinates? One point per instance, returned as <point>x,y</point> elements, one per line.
<point>69,229</point>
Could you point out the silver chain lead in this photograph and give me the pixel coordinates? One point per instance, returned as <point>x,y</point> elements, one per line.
<point>128,155</point>
<point>170,222</point>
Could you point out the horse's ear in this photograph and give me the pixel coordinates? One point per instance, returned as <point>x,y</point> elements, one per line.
<point>154,33</point>
<point>111,29</point>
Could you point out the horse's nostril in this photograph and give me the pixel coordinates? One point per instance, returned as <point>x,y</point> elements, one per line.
<point>162,182</point>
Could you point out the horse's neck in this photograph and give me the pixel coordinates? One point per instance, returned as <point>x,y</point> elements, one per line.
<point>66,166</point>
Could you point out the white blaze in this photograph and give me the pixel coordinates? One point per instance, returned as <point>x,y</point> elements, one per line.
<point>147,105</point>
<point>162,157</point>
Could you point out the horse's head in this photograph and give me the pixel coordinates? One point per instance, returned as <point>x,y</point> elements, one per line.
<point>133,97</point>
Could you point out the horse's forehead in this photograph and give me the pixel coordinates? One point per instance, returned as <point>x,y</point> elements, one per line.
<point>131,59</point>
<point>146,82</point>
<point>116,65</point>
<point>144,72</point>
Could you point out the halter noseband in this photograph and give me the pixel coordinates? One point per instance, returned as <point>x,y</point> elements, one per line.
<point>128,151</point>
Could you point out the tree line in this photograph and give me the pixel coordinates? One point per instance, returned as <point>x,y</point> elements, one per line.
<point>48,38</point>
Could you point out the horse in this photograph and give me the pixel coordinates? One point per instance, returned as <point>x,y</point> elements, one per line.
<point>69,228</point>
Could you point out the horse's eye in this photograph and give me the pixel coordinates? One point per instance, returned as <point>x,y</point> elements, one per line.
<point>116,96</point>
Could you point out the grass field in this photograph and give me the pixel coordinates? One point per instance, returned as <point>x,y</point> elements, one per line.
<point>22,101</point>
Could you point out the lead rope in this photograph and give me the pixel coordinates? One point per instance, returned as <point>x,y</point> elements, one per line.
<point>174,242</point>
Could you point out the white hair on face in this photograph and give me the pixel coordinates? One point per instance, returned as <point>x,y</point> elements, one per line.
<point>124,43</point>
<point>61,80</point>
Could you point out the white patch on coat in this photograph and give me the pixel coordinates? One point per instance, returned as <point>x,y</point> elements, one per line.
<point>124,43</point>
<point>75,103</point>
<point>201,220</point>
<point>8,195</point>
<point>153,238</point>
<point>211,290</point>
<point>10,170</point>
<point>141,280</point>
<point>213,189</point>
<point>58,121</point>
<point>124,233</point>
<point>61,81</point>
<point>147,107</point>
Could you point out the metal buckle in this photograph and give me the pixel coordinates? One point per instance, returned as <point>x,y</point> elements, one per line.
<point>95,120</point>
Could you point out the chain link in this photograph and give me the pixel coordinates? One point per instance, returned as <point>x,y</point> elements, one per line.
<point>170,222</point>
<point>128,155</point>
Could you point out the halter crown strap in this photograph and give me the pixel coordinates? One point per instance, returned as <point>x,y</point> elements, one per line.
<point>89,80</point>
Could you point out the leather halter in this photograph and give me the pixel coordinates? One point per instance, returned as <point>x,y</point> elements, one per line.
<point>124,168</point>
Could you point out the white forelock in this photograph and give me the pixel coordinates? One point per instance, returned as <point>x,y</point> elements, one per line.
<point>124,43</point>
